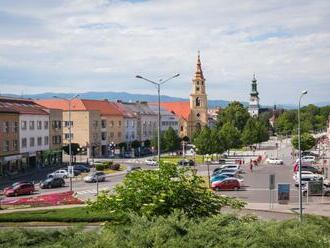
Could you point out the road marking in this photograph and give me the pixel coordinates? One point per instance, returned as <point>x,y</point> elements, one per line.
<point>84,192</point>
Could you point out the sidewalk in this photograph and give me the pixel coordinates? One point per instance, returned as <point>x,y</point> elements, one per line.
<point>322,209</point>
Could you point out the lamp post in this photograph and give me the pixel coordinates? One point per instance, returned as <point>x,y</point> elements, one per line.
<point>299,148</point>
<point>158,84</point>
<point>70,152</point>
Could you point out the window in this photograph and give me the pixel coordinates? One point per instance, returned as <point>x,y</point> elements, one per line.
<point>133,123</point>
<point>67,123</point>
<point>39,141</point>
<point>104,123</point>
<point>31,125</point>
<point>6,145</point>
<point>103,135</point>
<point>32,142</point>
<point>23,123</point>
<point>119,123</point>
<point>15,127</point>
<point>45,125</point>
<point>67,135</point>
<point>56,124</point>
<point>24,143</point>
<point>197,88</point>
<point>198,102</point>
<point>119,134</point>
<point>46,141</point>
<point>111,135</point>
<point>127,123</point>
<point>96,123</point>
<point>112,123</point>
<point>39,125</point>
<point>6,127</point>
<point>15,145</point>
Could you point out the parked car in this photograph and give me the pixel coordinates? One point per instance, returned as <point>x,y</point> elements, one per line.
<point>151,162</point>
<point>15,184</point>
<point>310,168</point>
<point>227,184</point>
<point>308,159</point>
<point>59,173</point>
<point>186,162</point>
<point>218,178</point>
<point>307,174</point>
<point>81,168</point>
<point>53,182</point>
<point>95,176</point>
<point>274,161</point>
<point>25,188</point>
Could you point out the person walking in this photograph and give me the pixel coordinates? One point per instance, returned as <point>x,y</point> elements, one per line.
<point>251,166</point>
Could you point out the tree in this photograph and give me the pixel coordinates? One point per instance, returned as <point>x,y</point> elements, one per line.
<point>74,149</point>
<point>161,192</point>
<point>171,140</point>
<point>230,136</point>
<point>234,113</point>
<point>307,142</point>
<point>135,144</point>
<point>217,142</point>
<point>262,131</point>
<point>147,143</point>
<point>154,142</point>
<point>203,141</point>
<point>250,133</point>
<point>286,123</point>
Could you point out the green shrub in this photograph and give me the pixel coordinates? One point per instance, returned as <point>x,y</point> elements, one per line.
<point>99,167</point>
<point>160,192</point>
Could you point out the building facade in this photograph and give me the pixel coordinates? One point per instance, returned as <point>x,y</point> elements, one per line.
<point>167,118</point>
<point>10,157</point>
<point>55,154</point>
<point>254,106</point>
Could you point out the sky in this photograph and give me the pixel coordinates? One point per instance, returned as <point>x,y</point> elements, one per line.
<point>101,45</point>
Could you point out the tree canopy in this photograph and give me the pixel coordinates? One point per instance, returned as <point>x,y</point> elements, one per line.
<point>307,142</point>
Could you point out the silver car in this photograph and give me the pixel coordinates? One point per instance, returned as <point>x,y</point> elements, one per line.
<point>96,176</point>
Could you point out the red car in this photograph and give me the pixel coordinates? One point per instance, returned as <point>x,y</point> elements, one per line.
<point>19,189</point>
<point>227,184</point>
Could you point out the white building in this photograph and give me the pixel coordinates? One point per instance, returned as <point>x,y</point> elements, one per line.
<point>147,120</point>
<point>130,123</point>
<point>254,106</point>
<point>167,119</point>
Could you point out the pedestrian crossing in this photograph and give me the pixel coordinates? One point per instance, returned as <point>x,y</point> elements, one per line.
<point>91,191</point>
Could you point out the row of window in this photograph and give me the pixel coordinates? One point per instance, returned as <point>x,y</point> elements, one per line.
<point>131,137</point>
<point>104,124</point>
<point>111,135</point>
<point>32,124</point>
<point>32,143</point>
<point>8,146</point>
<point>169,123</point>
<point>9,127</point>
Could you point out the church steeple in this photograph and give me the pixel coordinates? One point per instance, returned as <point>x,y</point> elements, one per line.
<point>199,71</point>
<point>254,98</point>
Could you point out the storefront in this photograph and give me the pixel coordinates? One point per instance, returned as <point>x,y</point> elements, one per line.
<point>11,165</point>
<point>51,158</point>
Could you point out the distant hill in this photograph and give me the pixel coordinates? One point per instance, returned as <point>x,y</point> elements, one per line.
<point>128,97</point>
<point>124,96</point>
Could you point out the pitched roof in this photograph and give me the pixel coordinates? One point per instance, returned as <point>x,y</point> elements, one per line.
<point>126,112</point>
<point>181,109</point>
<point>105,107</point>
<point>21,106</point>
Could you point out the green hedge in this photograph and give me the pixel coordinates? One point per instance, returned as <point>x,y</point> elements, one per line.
<point>76,214</point>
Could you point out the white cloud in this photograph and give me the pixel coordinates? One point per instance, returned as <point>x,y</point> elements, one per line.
<point>86,45</point>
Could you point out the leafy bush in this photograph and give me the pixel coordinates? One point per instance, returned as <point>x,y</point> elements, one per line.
<point>179,230</point>
<point>115,167</point>
<point>160,192</point>
<point>99,167</point>
<point>107,164</point>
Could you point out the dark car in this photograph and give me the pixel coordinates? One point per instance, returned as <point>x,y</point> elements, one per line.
<point>54,182</point>
<point>186,162</point>
<point>76,172</point>
<point>19,189</point>
<point>81,167</point>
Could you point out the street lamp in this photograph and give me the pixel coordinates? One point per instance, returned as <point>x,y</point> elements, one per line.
<point>70,152</point>
<point>161,82</point>
<point>299,148</point>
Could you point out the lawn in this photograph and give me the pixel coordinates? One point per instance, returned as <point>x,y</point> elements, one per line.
<point>76,214</point>
<point>175,159</point>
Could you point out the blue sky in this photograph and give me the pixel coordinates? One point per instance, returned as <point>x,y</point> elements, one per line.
<point>100,45</point>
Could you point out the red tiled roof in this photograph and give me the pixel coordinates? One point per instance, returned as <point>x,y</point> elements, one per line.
<point>181,109</point>
<point>104,106</point>
<point>22,106</point>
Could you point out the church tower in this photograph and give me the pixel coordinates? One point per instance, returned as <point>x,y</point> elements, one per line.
<point>254,99</point>
<point>198,101</point>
